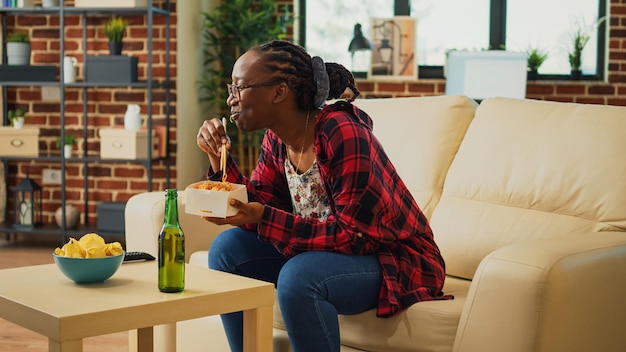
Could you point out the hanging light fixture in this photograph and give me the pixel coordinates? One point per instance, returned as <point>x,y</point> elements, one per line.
<point>27,204</point>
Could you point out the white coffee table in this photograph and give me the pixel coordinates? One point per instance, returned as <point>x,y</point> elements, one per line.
<point>42,299</point>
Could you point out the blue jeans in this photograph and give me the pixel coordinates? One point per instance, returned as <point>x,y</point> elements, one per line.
<point>312,287</point>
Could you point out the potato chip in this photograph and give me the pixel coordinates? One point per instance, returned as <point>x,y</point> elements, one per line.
<point>114,248</point>
<point>71,249</point>
<point>95,252</point>
<point>91,240</point>
<point>90,245</point>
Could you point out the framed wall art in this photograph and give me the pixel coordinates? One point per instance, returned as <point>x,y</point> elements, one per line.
<point>394,48</point>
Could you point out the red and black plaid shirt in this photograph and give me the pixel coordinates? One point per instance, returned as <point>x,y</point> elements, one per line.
<point>372,210</point>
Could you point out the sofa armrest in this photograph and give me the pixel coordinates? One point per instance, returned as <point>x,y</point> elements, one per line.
<point>144,219</point>
<point>559,294</point>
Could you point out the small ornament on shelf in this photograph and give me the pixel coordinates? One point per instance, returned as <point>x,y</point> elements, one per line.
<point>27,204</point>
<point>72,215</point>
<point>115,29</point>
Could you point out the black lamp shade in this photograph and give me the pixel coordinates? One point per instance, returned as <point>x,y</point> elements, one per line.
<point>359,42</point>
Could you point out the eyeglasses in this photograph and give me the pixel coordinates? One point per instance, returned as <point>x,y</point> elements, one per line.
<point>235,90</point>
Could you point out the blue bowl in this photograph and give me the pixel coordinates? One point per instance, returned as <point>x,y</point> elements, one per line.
<point>88,270</point>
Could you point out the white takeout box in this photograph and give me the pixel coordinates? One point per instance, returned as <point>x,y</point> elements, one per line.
<point>213,203</point>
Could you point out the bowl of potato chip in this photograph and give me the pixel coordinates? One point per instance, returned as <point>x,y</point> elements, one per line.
<point>89,259</point>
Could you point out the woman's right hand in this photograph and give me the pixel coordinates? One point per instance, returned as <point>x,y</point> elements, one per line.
<point>211,136</point>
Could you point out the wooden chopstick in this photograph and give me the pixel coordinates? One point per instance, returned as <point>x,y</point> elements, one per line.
<point>224,155</point>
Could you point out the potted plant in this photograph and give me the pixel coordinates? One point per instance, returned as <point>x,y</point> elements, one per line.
<point>536,58</point>
<point>115,29</point>
<point>18,48</point>
<point>230,29</point>
<point>17,117</point>
<point>68,143</point>
<point>50,3</point>
<point>580,37</point>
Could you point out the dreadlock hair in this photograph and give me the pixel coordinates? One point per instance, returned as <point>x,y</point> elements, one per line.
<point>293,64</point>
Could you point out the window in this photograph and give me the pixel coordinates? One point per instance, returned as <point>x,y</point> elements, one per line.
<point>444,25</point>
<point>440,29</point>
<point>551,29</point>
<point>329,36</point>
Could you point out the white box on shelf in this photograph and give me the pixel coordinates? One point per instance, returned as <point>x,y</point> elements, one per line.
<point>213,203</point>
<point>19,141</point>
<point>110,3</point>
<point>120,143</point>
<point>484,74</point>
<point>25,3</point>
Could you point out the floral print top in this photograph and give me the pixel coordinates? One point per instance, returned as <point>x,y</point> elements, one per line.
<point>307,192</point>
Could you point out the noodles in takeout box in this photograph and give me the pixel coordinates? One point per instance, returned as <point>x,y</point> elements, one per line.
<point>211,198</point>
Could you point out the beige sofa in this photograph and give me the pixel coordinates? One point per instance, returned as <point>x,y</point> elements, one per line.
<point>527,200</point>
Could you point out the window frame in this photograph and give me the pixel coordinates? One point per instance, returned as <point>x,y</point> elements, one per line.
<point>497,38</point>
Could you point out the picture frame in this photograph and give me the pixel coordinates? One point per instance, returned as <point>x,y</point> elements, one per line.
<point>394,48</point>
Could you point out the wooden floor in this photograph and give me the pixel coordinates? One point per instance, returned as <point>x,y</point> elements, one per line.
<point>18,252</point>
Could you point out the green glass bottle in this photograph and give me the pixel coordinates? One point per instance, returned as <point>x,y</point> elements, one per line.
<point>171,247</point>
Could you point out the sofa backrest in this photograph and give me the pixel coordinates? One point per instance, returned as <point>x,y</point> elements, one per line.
<point>420,136</point>
<point>527,170</point>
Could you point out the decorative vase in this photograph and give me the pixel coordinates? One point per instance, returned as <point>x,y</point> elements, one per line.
<point>532,75</point>
<point>67,151</point>
<point>72,215</point>
<point>69,69</point>
<point>115,48</point>
<point>576,74</point>
<point>132,117</point>
<point>18,122</point>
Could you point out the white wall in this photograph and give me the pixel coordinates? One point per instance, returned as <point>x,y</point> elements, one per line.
<point>191,163</point>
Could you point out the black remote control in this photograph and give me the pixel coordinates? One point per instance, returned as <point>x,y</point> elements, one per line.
<point>137,256</point>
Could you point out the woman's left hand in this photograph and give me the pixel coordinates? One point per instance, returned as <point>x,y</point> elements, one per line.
<point>249,213</point>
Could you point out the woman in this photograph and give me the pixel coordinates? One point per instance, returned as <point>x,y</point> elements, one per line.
<point>329,221</point>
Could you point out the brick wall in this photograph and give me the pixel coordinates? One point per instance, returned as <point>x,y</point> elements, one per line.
<point>106,108</point>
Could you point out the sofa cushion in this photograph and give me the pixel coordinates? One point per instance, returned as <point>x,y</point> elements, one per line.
<point>530,170</point>
<point>424,327</point>
<point>433,127</point>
